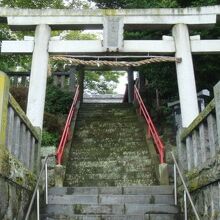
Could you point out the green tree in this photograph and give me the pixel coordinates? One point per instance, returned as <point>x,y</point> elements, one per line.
<point>32,3</point>
<point>135,3</point>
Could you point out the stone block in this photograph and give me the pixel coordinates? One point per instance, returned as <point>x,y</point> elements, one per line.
<point>148,190</point>
<point>59,175</point>
<point>73,199</point>
<point>163,173</point>
<point>155,208</point>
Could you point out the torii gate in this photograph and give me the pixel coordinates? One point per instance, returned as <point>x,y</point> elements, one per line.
<point>113,23</point>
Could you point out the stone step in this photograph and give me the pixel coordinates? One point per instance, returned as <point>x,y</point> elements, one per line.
<point>127,209</point>
<point>150,208</point>
<point>110,141</point>
<point>85,190</point>
<point>87,143</point>
<point>111,175</point>
<point>110,136</point>
<point>105,105</point>
<point>107,112</point>
<point>116,217</point>
<point>107,108</point>
<point>81,182</point>
<point>107,166</point>
<point>77,158</point>
<point>109,163</point>
<point>140,190</point>
<point>99,153</point>
<point>118,170</point>
<point>111,133</point>
<point>111,199</point>
<point>105,116</point>
<point>108,125</point>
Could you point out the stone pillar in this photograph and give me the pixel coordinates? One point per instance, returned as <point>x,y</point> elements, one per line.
<point>72,84</point>
<point>142,83</point>
<point>217,109</point>
<point>4,93</point>
<point>81,77</point>
<point>185,75</point>
<point>38,77</point>
<point>130,85</point>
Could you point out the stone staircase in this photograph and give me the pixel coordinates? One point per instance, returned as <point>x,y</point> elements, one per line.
<point>110,175</point>
<point>109,148</point>
<point>111,203</point>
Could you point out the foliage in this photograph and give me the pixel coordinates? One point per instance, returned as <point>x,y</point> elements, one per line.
<point>20,95</point>
<point>78,35</point>
<point>33,3</point>
<point>197,3</point>
<point>57,101</point>
<point>49,139</point>
<point>135,4</point>
<point>77,4</point>
<point>102,83</point>
<point>52,129</point>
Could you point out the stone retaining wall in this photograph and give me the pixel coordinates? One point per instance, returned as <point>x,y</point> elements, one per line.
<point>199,157</point>
<point>19,157</point>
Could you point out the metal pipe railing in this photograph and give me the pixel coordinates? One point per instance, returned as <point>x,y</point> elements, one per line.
<point>151,128</point>
<point>36,192</point>
<point>63,140</point>
<point>186,193</point>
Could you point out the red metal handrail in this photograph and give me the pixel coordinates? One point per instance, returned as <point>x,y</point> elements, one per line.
<point>64,137</point>
<point>151,128</point>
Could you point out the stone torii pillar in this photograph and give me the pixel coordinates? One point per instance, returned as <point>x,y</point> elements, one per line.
<point>72,83</point>
<point>38,77</point>
<point>81,77</point>
<point>130,85</point>
<point>185,75</point>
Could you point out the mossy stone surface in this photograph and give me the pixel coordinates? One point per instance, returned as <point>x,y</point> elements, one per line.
<point>109,148</point>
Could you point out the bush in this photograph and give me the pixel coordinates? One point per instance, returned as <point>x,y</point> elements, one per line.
<point>20,94</point>
<point>49,139</point>
<point>57,101</point>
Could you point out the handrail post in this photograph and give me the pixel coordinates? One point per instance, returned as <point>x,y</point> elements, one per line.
<point>36,193</point>
<point>186,191</point>
<point>175,184</point>
<point>38,204</point>
<point>46,183</point>
<point>185,205</point>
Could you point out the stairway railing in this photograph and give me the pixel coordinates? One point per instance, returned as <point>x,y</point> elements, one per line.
<point>185,191</point>
<point>151,131</point>
<point>64,137</point>
<point>36,192</point>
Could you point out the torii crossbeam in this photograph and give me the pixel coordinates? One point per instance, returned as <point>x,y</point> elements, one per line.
<point>113,23</point>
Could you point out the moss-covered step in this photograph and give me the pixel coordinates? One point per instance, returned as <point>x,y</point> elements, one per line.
<point>98,155</point>
<point>108,182</point>
<point>106,145</point>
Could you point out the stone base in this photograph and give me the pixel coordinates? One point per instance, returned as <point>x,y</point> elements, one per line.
<point>163,174</point>
<point>59,175</point>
